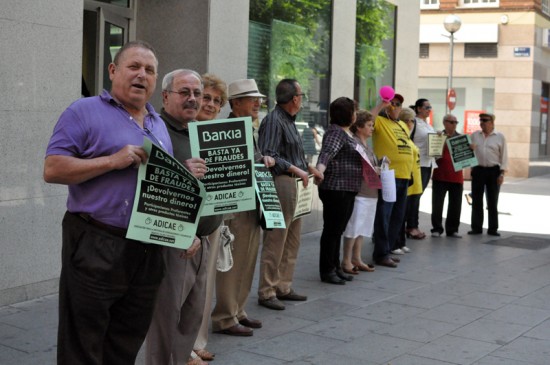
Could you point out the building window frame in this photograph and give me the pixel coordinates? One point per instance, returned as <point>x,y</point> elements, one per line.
<point>545,7</point>
<point>429,4</point>
<point>479,3</point>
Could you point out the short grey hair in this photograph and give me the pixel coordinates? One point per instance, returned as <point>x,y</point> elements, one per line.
<point>168,79</point>
<point>406,114</point>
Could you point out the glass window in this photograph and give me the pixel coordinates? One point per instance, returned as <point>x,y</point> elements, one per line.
<point>424,50</point>
<point>374,50</point>
<point>114,40</point>
<point>291,39</point>
<point>479,3</point>
<point>480,50</point>
<point>122,3</point>
<point>545,4</point>
<point>429,4</point>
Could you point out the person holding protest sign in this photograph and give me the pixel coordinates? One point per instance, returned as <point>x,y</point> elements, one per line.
<point>280,139</point>
<point>342,170</point>
<point>446,180</point>
<point>181,298</point>
<point>213,99</point>
<point>233,287</point>
<point>361,222</point>
<point>108,283</point>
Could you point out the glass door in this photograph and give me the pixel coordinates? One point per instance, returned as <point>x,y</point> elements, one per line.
<point>105,30</point>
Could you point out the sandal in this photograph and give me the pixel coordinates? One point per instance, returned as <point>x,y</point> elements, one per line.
<point>364,267</point>
<point>353,270</point>
<point>205,354</point>
<point>196,361</point>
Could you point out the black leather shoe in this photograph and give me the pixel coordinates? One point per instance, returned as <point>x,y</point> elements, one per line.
<point>341,275</point>
<point>493,233</point>
<point>332,278</point>
<point>474,232</point>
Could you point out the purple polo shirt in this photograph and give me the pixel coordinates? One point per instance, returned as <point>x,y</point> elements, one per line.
<point>100,126</point>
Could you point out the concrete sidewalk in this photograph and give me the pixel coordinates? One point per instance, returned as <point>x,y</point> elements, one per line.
<point>475,300</point>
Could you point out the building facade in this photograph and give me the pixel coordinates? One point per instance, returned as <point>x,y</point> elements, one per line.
<point>55,51</point>
<point>501,65</point>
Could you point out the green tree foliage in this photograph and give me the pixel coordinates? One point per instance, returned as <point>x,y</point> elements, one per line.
<point>374,25</point>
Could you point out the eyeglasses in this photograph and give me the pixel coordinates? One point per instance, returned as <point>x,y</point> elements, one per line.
<point>483,120</point>
<point>451,121</point>
<point>396,104</point>
<point>207,98</point>
<point>427,107</point>
<point>186,93</point>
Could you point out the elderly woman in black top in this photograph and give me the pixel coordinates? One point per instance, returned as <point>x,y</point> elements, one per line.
<point>341,165</point>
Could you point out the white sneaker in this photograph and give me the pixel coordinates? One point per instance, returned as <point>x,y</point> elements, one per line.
<point>398,252</point>
<point>405,249</point>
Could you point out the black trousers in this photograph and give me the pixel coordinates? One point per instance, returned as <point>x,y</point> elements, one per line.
<point>337,209</point>
<point>484,180</point>
<point>454,206</point>
<point>107,292</point>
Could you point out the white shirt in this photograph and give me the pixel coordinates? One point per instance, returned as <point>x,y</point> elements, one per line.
<point>490,150</point>
<point>421,141</point>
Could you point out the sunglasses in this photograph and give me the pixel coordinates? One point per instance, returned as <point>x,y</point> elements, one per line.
<point>452,121</point>
<point>396,104</point>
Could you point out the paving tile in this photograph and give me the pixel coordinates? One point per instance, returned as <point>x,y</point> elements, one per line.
<point>395,285</point>
<point>319,309</point>
<point>537,299</point>
<point>425,299</point>
<point>427,276</point>
<point>528,349</point>
<point>492,360</point>
<point>519,314</point>
<point>417,360</point>
<point>492,331</point>
<point>456,287</point>
<point>541,332</point>
<point>245,357</point>
<point>376,348</point>
<point>327,358</point>
<point>360,297</point>
<point>387,312</point>
<point>456,350</point>
<point>515,287</point>
<point>485,300</point>
<point>455,313</point>
<point>417,329</point>
<point>343,328</point>
<point>293,346</point>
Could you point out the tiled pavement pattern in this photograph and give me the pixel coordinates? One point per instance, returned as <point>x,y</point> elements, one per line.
<point>450,301</point>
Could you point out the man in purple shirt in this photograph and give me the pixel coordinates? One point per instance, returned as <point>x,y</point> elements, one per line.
<point>108,283</point>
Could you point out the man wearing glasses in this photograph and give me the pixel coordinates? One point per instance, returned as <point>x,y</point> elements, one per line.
<point>181,296</point>
<point>492,155</point>
<point>279,138</point>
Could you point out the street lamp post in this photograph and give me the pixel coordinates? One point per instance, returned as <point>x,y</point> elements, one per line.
<point>452,24</point>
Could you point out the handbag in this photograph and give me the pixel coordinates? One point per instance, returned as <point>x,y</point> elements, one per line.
<point>225,256</point>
